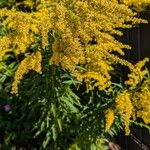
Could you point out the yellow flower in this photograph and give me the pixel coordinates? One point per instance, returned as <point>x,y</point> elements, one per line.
<point>141,102</point>
<point>31,62</point>
<point>109,119</point>
<point>94,79</point>
<point>137,74</point>
<point>138,4</point>
<point>73,25</point>
<point>4,47</point>
<point>125,108</point>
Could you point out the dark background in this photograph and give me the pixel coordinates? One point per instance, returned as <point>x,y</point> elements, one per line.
<point>139,39</point>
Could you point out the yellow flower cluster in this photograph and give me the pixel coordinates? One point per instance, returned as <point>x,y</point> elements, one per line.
<point>109,119</point>
<point>137,74</point>
<point>138,4</point>
<point>84,34</point>
<point>74,25</point>
<point>135,104</point>
<point>23,29</point>
<point>20,37</point>
<point>94,79</point>
<point>31,62</point>
<point>125,108</point>
<point>141,101</point>
<point>5,42</point>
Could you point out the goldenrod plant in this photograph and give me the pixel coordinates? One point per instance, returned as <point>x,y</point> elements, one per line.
<point>73,24</point>
<point>58,61</point>
<point>137,5</point>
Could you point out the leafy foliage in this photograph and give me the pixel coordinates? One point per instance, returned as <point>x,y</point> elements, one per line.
<point>59,85</point>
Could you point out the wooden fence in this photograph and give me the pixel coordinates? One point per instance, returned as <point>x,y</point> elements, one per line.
<point>139,39</point>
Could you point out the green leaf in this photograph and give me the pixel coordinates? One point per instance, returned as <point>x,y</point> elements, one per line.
<point>8,73</point>
<point>1,87</point>
<point>46,141</point>
<point>3,30</point>
<point>54,134</point>
<point>12,65</point>
<point>81,68</point>
<point>69,104</point>
<point>47,121</point>
<point>37,134</point>
<point>59,124</point>
<point>2,66</point>
<point>3,78</point>
<point>42,126</point>
<point>93,147</point>
<point>70,82</point>
<point>53,110</point>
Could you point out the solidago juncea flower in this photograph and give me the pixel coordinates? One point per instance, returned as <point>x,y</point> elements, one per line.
<point>31,62</point>
<point>98,80</point>
<point>137,74</point>
<point>125,108</point>
<point>24,27</point>
<point>141,101</point>
<point>20,36</point>
<point>74,24</point>
<point>143,106</point>
<point>109,119</point>
<point>75,27</point>
<point>4,47</point>
<point>133,103</point>
<point>80,36</point>
<point>138,4</point>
